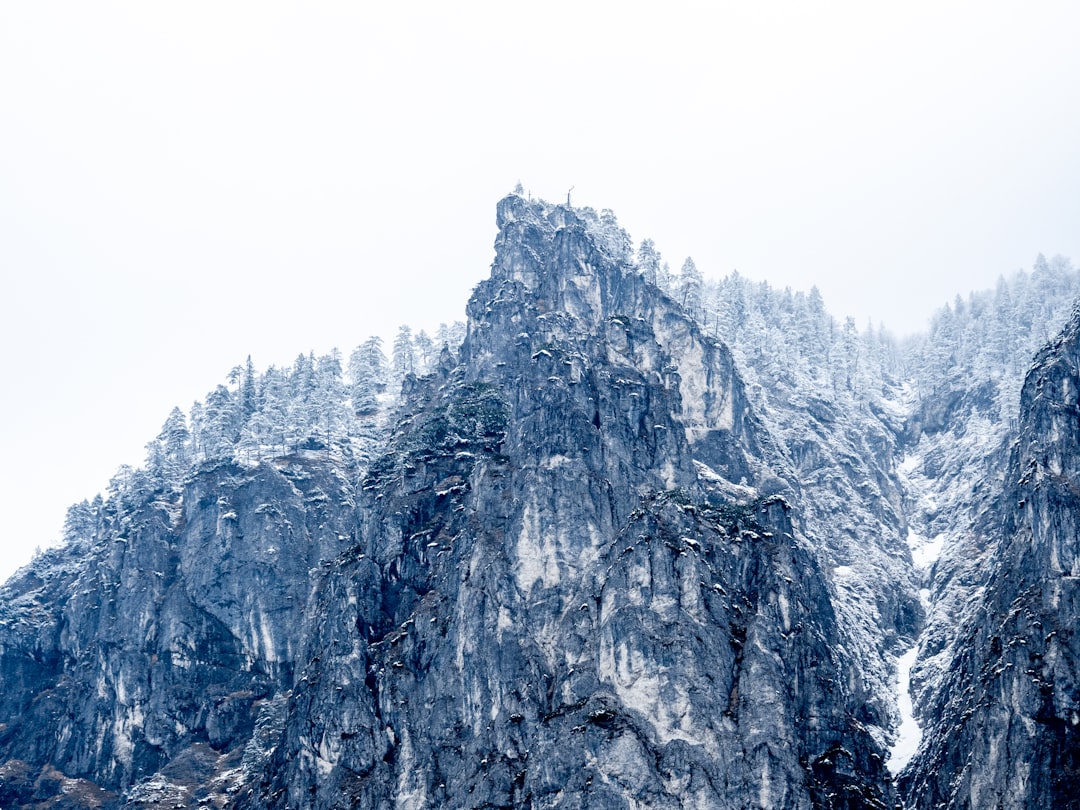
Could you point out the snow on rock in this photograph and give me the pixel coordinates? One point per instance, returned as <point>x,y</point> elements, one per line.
<point>908,735</point>
<point>924,553</point>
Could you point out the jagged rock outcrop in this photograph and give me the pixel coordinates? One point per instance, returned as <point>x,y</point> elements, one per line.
<point>1002,728</point>
<point>551,606</point>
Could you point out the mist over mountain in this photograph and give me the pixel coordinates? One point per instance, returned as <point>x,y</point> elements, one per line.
<point>629,537</point>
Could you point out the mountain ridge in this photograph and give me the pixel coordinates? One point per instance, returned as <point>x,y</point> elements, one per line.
<point>583,564</point>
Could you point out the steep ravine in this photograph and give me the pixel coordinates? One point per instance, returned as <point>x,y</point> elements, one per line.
<point>1004,711</point>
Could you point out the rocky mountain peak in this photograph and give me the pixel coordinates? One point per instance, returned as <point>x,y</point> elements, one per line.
<point>570,270</point>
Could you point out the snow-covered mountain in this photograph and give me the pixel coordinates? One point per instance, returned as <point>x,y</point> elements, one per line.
<point>627,539</point>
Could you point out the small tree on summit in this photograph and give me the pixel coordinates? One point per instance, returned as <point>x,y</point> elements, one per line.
<point>426,353</point>
<point>220,423</point>
<point>664,280</point>
<point>328,398</point>
<point>80,523</point>
<point>243,377</point>
<point>848,367</point>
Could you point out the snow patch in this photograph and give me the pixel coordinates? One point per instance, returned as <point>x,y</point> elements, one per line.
<point>740,493</point>
<point>911,462</point>
<point>909,735</point>
<point>504,622</point>
<point>785,610</point>
<point>924,553</point>
<point>554,461</point>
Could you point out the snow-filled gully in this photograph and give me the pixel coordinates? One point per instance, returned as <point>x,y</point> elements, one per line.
<point>909,735</point>
<point>924,553</point>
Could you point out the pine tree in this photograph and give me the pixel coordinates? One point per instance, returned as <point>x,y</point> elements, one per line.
<point>404,360</point>
<point>284,409</point>
<point>664,280</point>
<point>219,427</point>
<point>80,523</point>
<point>331,417</point>
<point>731,303</point>
<point>426,354</point>
<point>174,441</point>
<point>648,259</point>
<point>458,332</point>
<point>299,396</point>
<point>848,367</point>
<point>368,373</point>
<point>255,436</point>
<point>613,238</point>
<point>690,285</point>
<point>197,418</point>
<point>442,336</point>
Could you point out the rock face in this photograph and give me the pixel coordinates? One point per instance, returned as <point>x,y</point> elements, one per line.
<point>161,641</point>
<point>550,606</point>
<point>1006,717</point>
<point>573,578</point>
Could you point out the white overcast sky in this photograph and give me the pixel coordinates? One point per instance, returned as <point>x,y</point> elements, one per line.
<point>185,183</point>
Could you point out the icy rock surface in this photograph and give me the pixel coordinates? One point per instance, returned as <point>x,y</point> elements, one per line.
<point>161,643</point>
<point>1006,709</point>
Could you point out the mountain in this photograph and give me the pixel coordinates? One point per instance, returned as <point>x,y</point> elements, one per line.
<point>626,544</point>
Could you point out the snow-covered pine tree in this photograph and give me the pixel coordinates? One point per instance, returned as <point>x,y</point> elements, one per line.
<point>368,375</point>
<point>690,287</point>
<point>425,351</point>
<point>404,357</point>
<point>328,407</point>
<point>219,424</point>
<point>648,261</point>
<point>168,457</point>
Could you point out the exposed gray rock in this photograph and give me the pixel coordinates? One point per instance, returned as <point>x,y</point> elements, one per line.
<point>548,607</point>
<point>168,632</point>
<point>571,579</point>
<point>1003,728</point>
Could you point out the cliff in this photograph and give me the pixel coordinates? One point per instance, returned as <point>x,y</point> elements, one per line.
<point>1002,724</point>
<point>575,576</point>
<point>555,601</point>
